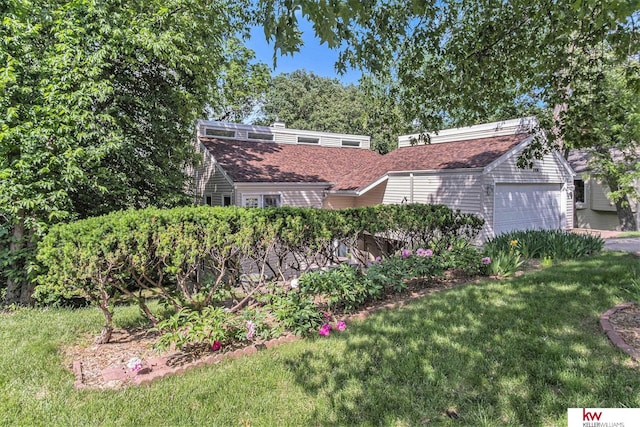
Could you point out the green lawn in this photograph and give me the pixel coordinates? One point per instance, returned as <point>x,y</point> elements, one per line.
<point>512,352</point>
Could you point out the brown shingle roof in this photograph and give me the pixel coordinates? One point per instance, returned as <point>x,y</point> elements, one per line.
<point>474,153</point>
<point>250,161</point>
<point>348,168</point>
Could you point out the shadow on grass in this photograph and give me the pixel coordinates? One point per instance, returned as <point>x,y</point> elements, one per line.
<point>519,352</point>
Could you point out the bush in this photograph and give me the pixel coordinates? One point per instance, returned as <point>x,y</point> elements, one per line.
<point>188,256</point>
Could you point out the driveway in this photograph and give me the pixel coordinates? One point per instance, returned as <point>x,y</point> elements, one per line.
<point>626,244</point>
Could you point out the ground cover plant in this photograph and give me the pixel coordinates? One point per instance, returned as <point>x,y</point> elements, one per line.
<point>517,351</point>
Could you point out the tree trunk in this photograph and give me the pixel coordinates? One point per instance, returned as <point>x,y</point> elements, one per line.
<point>107,331</point>
<point>15,280</point>
<point>626,218</point>
<point>625,215</point>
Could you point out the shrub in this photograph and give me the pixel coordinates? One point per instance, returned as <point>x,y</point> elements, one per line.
<point>503,262</point>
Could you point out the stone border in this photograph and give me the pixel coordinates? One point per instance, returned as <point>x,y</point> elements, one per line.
<point>158,367</point>
<point>615,338</point>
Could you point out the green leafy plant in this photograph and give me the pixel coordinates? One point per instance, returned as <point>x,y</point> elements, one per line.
<point>555,244</point>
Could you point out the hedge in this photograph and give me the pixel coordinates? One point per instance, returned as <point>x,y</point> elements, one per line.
<point>186,256</point>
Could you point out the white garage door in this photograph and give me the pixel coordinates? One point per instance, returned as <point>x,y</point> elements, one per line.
<point>527,207</point>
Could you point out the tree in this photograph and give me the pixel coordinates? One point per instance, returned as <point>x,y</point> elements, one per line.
<point>304,100</point>
<point>242,84</point>
<point>460,62</point>
<point>97,107</point>
<point>603,120</point>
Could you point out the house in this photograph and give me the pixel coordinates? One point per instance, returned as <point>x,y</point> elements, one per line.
<point>472,169</point>
<point>593,208</point>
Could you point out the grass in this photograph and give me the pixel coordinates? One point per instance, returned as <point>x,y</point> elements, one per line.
<point>628,234</point>
<point>513,352</point>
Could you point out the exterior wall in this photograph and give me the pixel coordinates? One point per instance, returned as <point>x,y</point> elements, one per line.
<point>597,212</point>
<point>373,197</point>
<point>298,195</point>
<point>209,180</point>
<point>547,170</point>
<point>338,202</point>
<point>398,190</point>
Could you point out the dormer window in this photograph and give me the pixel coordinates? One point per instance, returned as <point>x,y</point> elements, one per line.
<point>308,140</point>
<point>350,143</point>
<point>220,133</point>
<point>260,136</point>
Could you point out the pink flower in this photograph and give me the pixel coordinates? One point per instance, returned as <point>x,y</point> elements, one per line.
<point>378,259</point>
<point>216,346</point>
<point>251,329</point>
<point>424,252</point>
<point>326,315</point>
<point>406,253</point>
<point>135,364</point>
<point>486,260</point>
<point>341,326</point>
<point>325,330</point>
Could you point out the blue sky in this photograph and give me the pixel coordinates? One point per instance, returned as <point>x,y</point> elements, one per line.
<point>312,56</point>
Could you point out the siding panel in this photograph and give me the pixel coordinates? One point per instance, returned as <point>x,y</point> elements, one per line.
<point>291,194</point>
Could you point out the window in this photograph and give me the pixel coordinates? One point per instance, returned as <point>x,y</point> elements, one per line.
<point>579,191</point>
<point>308,140</point>
<point>262,136</point>
<point>209,200</point>
<point>226,200</point>
<point>251,201</point>
<point>261,201</point>
<point>271,201</point>
<point>220,132</point>
<point>350,143</point>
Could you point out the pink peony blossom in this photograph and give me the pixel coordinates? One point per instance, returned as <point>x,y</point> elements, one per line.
<point>406,253</point>
<point>216,346</point>
<point>135,364</point>
<point>486,260</point>
<point>325,330</point>
<point>341,326</point>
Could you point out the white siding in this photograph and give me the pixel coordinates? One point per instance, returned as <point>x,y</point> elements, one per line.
<point>456,190</point>
<point>209,179</point>
<point>299,195</point>
<point>398,190</point>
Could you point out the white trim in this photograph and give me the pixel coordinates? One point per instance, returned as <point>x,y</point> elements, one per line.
<point>240,185</point>
<point>260,197</point>
<point>435,171</point>
<point>364,140</point>
<point>565,163</point>
<point>497,162</point>
<point>486,130</point>
<point>371,186</point>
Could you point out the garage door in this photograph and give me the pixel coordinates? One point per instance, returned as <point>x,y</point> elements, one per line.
<point>527,207</point>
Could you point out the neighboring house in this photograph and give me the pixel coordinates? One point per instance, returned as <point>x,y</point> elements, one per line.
<point>472,169</point>
<point>593,209</point>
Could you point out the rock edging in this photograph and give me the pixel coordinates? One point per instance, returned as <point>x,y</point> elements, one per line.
<point>613,336</point>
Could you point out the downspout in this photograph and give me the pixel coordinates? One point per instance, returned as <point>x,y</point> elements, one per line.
<point>411,187</point>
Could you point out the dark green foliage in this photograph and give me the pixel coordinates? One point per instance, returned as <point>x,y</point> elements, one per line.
<point>296,311</point>
<point>342,288</point>
<point>539,244</point>
<point>187,257</point>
